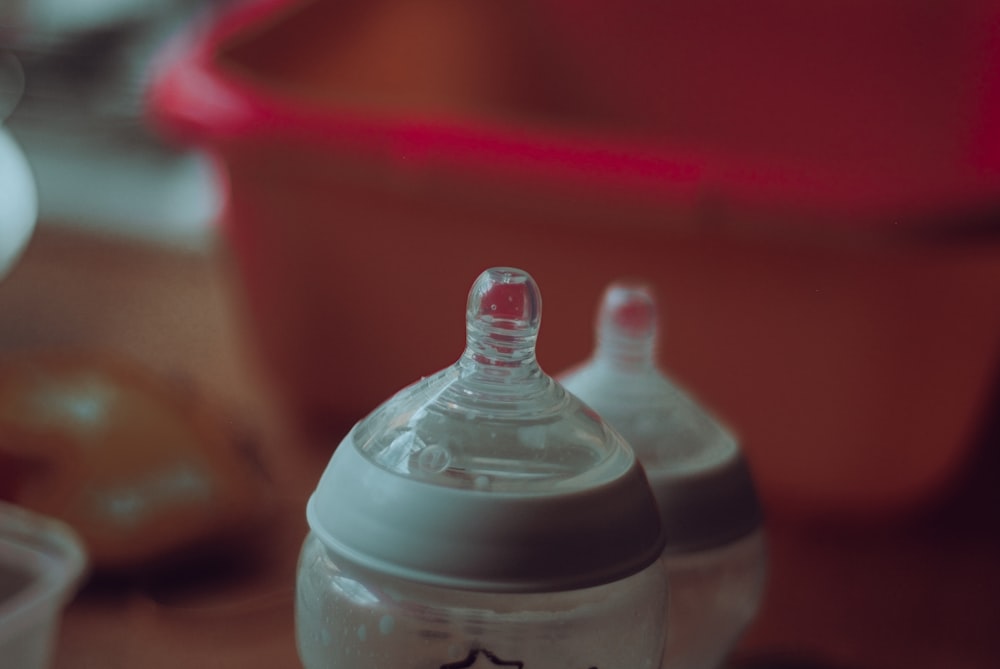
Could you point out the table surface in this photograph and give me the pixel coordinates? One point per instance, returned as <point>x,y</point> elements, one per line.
<point>919,592</point>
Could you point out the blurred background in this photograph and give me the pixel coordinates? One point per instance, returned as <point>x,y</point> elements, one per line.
<point>257,219</point>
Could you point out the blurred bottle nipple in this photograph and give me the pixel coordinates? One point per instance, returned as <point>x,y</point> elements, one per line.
<point>627,326</point>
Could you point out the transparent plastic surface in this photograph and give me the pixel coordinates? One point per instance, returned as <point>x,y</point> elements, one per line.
<point>348,617</point>
<point>714,595</point>
<point>494,420</point>
<point>681,439</point>
<point>41,561</point>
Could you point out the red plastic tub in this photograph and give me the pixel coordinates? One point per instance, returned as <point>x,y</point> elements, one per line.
<point>815,204</point>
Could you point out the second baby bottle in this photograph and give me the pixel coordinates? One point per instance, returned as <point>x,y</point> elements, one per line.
<point>714,557</point>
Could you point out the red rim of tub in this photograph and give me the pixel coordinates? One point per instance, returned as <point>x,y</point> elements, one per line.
<point>195,99</point>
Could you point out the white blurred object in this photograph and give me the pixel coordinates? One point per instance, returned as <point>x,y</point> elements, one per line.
<point>71,17</point>
<point>18,201</point>
<point>81,119</point>
<point>41,563</point>
<point>130,189</point>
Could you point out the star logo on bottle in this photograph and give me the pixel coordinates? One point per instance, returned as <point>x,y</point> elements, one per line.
<point>479,659</point>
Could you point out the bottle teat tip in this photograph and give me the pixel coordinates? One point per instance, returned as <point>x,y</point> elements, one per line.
<point>629,310</point>
<point>505,298</point>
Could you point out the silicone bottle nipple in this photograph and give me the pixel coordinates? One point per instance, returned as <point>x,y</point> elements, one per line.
<point>498,371</point>
<point>502,318</point>
<point>627,327</point>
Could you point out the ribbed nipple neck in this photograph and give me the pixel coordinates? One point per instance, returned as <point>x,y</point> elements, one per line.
<point>627,326</point>
<point>502,319</point>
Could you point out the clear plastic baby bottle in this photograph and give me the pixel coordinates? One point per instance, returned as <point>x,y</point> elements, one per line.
<point>715,553</point>
<point>483,517</point>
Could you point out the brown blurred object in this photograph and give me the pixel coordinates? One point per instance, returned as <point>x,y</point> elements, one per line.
<point>139,465</point>
<point>435,56</point>
<point>165,309</point>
